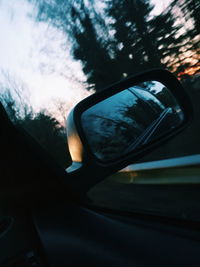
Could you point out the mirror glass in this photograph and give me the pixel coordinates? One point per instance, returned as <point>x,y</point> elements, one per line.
<point>130,119</point>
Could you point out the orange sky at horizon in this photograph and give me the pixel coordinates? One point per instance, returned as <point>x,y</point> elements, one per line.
<point>190,71</point>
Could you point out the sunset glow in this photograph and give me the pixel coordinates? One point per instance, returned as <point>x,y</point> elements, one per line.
<point>190,71</point>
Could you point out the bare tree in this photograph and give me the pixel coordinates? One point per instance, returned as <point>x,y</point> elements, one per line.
<point>14,95</point>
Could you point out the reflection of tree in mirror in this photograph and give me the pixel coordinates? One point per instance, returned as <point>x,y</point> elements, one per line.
<point>111,135</point>
<point>167,98</point>
<point>153,87</point>
<point>137,115</point>
<point>160,92</point>
<point>130,119</point>
<point>148,85</point>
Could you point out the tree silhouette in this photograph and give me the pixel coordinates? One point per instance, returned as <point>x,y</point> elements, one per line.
<point>122,38</point>
<point>189,54</point>
<point>190,9</point>
<point>41,126</point>
<point>91,49</point>
<point>49,134</point>
<point>86,31</point>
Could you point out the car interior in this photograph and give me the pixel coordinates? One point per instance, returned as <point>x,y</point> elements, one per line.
<point>45,220</point>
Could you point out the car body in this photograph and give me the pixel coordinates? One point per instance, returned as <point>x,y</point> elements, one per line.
<point>48,220</point>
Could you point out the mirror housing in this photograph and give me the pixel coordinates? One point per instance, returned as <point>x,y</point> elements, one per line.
<point>82,149</point>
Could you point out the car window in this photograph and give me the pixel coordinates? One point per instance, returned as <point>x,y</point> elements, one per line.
<point>163,188</point>
<point>55,53</point>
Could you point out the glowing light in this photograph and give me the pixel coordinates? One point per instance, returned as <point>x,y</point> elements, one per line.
<point>189,71</point>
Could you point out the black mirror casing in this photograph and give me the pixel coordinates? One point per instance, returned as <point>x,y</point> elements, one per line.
<point>85,161</point>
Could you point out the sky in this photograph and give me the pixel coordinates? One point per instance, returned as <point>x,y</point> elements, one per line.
<point>34,54</point>
<point>37,56</point>
<point>160,5</point>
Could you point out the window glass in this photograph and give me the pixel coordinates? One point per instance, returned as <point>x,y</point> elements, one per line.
<point>55,53</point>
<point>157,188</point>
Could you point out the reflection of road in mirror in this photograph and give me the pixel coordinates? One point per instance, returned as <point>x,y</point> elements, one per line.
<point>130,119</point>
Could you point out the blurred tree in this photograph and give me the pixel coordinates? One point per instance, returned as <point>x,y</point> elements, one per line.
<point>105,57</point>
<point>10,105</point>
<point>164,34</point>
<point>86,31</point>
<point>191,9</point>
<point>143,41</point>
<point>127,33</point>
<point>126,38</point>
<point>187,11</point>
<point>41,126</point>
<point>117,40</point>
<point>49,134</point>
<point>91,49</point>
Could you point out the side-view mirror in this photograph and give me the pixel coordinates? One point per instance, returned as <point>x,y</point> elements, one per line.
<point>125,121</point>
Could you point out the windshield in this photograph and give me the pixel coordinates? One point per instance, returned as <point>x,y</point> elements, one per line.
<point>55,53</point>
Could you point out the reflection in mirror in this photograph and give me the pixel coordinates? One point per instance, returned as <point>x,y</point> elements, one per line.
<point>130,119</point>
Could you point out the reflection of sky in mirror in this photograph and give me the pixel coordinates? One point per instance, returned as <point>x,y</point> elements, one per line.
<point>147,97</point>
<point>153,87</point>
<point>157,87</point>
<point>113,106</point>
<point>110,107</point>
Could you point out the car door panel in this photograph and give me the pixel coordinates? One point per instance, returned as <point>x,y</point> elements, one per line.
<point>78,236</point>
